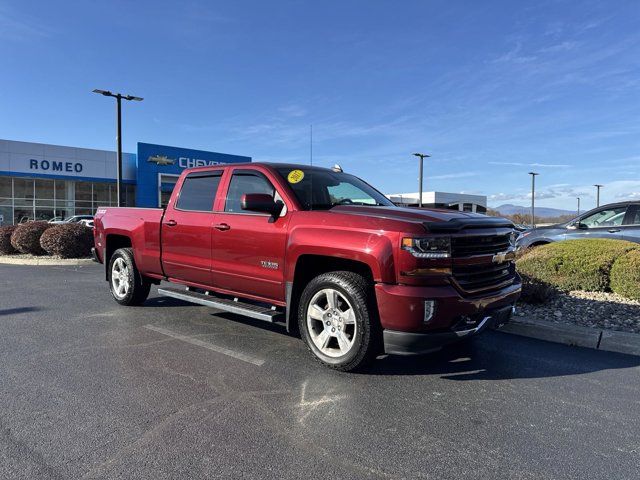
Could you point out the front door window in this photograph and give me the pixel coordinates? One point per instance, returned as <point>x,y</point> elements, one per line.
<point>609,217</point>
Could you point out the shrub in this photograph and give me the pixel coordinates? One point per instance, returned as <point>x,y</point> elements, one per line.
<point>536,292</point>
<point>5,240</point>
<point>68,240</point>
<point>26,237</point>
<point>625,275</point>
<point>574,264</point>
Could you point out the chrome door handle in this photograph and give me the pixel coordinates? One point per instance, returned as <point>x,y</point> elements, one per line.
<point>222,227</point>
<point>613,230</point>
<point>171,223</point>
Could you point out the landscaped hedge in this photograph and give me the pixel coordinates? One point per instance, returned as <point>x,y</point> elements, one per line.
<point>625,275</point>
<point>26,237</point>
<point>5,240</point>
<point>68,240</point>
<point>574,264</point>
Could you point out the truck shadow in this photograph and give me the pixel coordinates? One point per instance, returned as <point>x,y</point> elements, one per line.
<point>18,310</point>
<point>500,356</point>
<point>167,302</point>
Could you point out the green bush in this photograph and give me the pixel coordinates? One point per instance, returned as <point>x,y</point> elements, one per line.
<point>68,240</point>
<point>574,264</point>
<point>26,237</point>
<point>625,275</point>
<point>5,240</point>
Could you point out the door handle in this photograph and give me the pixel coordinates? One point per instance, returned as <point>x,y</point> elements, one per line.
<point>171,223</point>
<point>613,230</point>
<point>222,227</point>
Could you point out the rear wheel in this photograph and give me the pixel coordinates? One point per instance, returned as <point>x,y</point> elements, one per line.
<point>338,320</point>
<point>127,286</point>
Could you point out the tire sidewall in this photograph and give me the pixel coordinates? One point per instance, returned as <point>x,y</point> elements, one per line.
<point>361,312</point>
<point>128,260</point>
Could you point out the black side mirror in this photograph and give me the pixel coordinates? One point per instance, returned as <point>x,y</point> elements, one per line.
<point>578,226</point>
<point>261,202</point>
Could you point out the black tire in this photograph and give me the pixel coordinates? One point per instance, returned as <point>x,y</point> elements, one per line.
<point>367,338</point>
<point>138,287</point>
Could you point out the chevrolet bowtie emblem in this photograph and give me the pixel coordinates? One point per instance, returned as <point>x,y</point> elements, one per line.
<point>503,257</point>
<point>161,160</point>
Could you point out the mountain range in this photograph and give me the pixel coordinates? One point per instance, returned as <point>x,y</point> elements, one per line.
<point>510,209</point>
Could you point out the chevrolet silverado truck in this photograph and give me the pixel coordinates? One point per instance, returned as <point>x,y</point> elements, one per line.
<point>319,251</point>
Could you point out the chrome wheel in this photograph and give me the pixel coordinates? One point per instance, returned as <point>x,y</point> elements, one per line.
<point>120,281</point>
<point>331,322</point>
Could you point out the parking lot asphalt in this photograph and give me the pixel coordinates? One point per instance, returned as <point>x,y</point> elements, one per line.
<point>91,389</point>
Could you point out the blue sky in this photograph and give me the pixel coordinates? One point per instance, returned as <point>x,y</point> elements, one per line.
<point>491,89</point>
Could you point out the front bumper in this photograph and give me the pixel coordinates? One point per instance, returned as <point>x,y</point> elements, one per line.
<point>406,330</point>
<point>411,343</point>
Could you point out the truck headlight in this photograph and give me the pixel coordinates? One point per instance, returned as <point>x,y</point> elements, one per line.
<point>439,247</point>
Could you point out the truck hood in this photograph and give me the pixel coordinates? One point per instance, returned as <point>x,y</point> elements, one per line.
<point>433,219</point>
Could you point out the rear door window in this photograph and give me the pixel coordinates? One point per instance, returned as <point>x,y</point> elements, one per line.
<point>633,215</point>
<point>199,191</point>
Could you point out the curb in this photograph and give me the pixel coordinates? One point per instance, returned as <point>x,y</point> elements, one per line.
<point>6,260</point>
<point>575,335</point>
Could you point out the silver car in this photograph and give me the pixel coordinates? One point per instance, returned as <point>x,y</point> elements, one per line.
<point>619,221</point>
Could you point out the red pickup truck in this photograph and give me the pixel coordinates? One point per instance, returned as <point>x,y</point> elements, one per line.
<point>320,251</point>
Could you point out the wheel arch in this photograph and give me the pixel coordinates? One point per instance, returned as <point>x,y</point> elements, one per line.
<point>113,242</point>
<point>309,266</point>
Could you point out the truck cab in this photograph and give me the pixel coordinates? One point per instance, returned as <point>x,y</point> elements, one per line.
<point>320,251</point>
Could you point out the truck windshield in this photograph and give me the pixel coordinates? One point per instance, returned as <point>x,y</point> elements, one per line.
<point>319,189</point>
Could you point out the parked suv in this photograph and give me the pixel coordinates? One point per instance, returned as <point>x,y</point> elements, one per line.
<point>619,221</point>
<point>319,251</point>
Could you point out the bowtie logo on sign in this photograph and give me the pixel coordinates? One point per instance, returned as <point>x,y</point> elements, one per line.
<point>161,160</point>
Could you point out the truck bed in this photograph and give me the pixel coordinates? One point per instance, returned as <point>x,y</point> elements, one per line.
<point>141,225</point>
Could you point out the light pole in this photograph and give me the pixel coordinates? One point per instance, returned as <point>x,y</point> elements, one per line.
<point>118,97</point>
<point>598,187</point>
<point>533,198</point>
<point>421,156</point>
<point>578,205</point>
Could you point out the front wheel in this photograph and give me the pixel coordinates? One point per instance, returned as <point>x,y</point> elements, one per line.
<point>338,320</point>
<point>127,286</point>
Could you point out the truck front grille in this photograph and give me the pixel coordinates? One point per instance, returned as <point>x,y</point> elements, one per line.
<point>477,278</point>
<point>466,246</point>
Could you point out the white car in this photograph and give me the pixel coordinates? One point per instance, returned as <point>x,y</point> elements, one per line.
<point>86,222</point>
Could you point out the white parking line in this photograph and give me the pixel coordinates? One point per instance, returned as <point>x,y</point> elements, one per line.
<point>210,346</point>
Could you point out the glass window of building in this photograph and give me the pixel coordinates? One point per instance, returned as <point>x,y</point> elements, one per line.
<point>5,187</point>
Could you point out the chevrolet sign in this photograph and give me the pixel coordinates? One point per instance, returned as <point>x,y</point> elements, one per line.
<point>161,160</point>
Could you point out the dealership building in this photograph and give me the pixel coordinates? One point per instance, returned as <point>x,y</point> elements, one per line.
<point>40,181</point>
<point>463,202</point>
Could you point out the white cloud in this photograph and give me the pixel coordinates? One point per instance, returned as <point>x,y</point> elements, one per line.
<point>452,175</point>
<point>541,165</point>
<point>293,110</point>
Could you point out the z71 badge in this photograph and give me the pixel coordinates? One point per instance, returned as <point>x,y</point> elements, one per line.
<point>269,265</point>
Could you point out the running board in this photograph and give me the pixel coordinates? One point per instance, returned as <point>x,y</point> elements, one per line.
<point>228,305</point>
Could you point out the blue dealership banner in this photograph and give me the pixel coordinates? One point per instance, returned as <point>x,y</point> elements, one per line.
<point>156,160</point>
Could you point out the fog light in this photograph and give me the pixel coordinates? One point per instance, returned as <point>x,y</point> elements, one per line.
<point>429,310</point>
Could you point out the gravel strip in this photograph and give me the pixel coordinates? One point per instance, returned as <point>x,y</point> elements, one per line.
<point>588,309</point>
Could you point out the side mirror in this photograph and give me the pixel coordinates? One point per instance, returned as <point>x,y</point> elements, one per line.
<point>577,226</point>
<point>261,202</point>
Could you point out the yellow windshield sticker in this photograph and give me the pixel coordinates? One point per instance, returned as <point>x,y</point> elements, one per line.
<point>295,176</point>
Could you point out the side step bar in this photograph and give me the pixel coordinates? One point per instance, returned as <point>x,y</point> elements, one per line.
<point>228,305</point>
